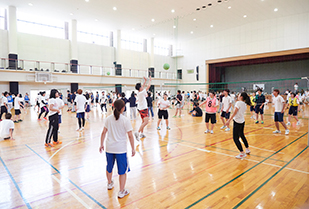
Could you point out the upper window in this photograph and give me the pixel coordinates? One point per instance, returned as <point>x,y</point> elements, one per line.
<point>40,26</point>
<point>94,38</point>
<point>161,48</point>
<point>2,19</point>
<point>132,43</point>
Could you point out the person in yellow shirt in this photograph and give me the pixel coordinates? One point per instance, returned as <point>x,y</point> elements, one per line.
<point>252,106</point>
<point>293,103</point>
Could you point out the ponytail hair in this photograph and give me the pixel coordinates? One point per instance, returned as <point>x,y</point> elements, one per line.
<point>118,105</point>
<point>246,98</point>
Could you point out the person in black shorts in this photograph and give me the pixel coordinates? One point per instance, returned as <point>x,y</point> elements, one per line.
<point>163,105</point>
<point>259,108</point>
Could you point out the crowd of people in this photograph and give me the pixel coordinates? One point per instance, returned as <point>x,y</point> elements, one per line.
<point>229,105</point>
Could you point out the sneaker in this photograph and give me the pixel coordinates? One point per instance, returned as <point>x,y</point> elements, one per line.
<point>50,145</point>
<point>123,194</point>
<point>227,129</point>
<point>168,128</point>
<point>143,135</point>
<point>136,136</point>
<point>79,129</point>
<point>45,118</point>
<point>39,119</point>
<point>298,123</point>
<point>152,118</point>
<point>46,145</point>
<point>174,116</point>
<point>15,121</point>
<point>262,122</point>
<point>257,122</point>
<point>288,123</point>
<point>287,132</point>
<point>20,120</point>
<point>158,128</point>
<point>179,116</point>
<point>207,131</point>
<point>211,131</point>
<point>58,142</point>
<point>247,151</point>
<point>110,186</point>
<point>241,156</point>
<point>277,132</point>
<point>82,128</point>
<point>223,127</point>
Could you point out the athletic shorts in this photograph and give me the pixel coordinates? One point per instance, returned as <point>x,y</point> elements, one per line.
<point>27,102</point>
<point>163,113</point>
<point>293,110</point>
<point>17,112</point>
<point>122,163</point>
<point>80,115</point>
<point>259,110</point>
<point>3,110</point>
<point>143,113</point>
<point>252,108</point>
<point>211,117</point>
<point>59,119</point>
<point>278,117</point>
<point>225,115</point>
<point>88,108</point>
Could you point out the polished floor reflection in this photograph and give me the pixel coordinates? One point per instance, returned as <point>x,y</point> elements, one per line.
<point>180,168</point>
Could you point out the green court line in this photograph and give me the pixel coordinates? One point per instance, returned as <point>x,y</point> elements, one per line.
<point>265,182</point>
<point>222,186</point>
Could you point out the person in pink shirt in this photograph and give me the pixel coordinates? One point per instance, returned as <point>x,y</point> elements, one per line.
<point>211,109</point>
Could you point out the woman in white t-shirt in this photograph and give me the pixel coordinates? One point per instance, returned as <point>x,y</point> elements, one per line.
<point>17,105</point>
<point>118,127</point>
<point>163,105</point>
<point>53,119</point>
<point>239,123</point>
<point>80,103</point>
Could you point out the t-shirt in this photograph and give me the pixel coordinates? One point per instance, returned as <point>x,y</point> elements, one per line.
<point>16,103</point>
<point>103,99</point>
<point>80,103</point>
<point>4,101</point>
<point>116,140</point>
<point>5,127</point>
<point>233,97</point>
<point>240,115</point>
<point>260,99</point>
<point>60,104</point>
<point>149,101</point>
<point>132,101</point>
<point>198,111</point>
<point>179,97</point>
<point>142,103</point>
<point>42,100</point>
<point>164,103</point>
<point>278,102</point>
<point>226,102</point>
<point>26,98</point>
<point>53,101</point>
<point>296,87</point>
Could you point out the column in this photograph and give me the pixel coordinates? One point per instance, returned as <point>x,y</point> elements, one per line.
<point>12,34</point>
<point>151,69</point>
<point>73,44</point>
<point>118,67</point>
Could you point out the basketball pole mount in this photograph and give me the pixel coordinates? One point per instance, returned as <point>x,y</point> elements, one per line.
<point>306,78</point>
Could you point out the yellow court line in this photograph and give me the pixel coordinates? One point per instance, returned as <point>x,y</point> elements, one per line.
<point>71,192</point>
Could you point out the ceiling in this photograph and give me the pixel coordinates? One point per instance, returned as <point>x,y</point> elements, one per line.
<point>135,16</point>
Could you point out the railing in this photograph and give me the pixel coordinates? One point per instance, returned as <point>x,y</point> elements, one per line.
<point>58,67</point>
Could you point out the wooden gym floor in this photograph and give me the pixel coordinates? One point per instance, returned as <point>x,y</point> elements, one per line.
<point>180,168</point>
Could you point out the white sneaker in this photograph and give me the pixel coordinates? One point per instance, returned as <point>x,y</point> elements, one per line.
<point>123,194</point>
<point>251,117</point>
<point>223,127</point>
<point>241,156</point>
<point>153,118</point>
<point>227,129</point>
<point>211,131</point>
<point>207,131</point>
<point>78,129</point>
<point>247,151</point>
<point>277,132</point>
<point>143,135</point>
<point>82,128</point>
<point>136,136</point>
<point>298,123</point>
<point>110,186</point>
<point>288,123</point>
<point>287,132</point>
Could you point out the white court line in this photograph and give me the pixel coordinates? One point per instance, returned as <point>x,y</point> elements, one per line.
<point>60,149</point>
<point>256,161</point>
<point>72,193</point>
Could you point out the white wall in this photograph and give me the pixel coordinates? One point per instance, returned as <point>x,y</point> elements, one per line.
<point>279,34</point>
<point>4,44</point>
